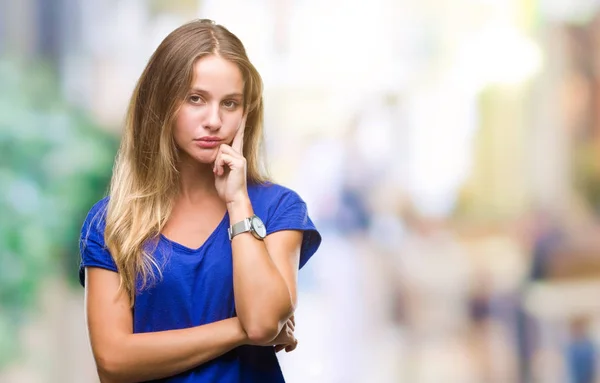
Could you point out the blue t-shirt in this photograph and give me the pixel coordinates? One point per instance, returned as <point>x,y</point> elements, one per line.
<point>196,287</point>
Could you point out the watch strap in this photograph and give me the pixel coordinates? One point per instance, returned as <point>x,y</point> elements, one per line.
<point>239,228</point>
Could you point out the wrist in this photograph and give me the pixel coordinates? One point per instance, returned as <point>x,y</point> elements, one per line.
<point>239,209</point>
<point>241,336</point>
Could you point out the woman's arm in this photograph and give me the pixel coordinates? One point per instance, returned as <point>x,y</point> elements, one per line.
<point>122,356</point>
<point>265,275</point>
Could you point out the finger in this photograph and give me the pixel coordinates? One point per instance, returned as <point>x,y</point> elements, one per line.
<point>292,347</point>
<point>226,162</point>
<point>291,325</point>
<point>293,319</point>
<point>238,140</point>
<point>224,148</point>
<point>279,347</point>
<point>219,166</point>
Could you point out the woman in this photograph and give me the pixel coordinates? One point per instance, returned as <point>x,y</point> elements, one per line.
<point>190,264</point>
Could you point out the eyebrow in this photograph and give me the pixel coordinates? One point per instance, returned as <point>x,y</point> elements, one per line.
<point>230,95</point>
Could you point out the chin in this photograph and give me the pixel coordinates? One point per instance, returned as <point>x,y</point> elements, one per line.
<point>205,159</point>
<point>203,156</point>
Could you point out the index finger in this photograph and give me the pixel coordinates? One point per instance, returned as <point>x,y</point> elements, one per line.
<point>238,140</point>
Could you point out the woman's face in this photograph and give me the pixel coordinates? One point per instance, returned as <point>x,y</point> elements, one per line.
<point>212,111</point>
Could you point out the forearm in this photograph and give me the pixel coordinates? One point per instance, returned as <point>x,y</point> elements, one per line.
<point>148,356</point>
<point>262,298</point>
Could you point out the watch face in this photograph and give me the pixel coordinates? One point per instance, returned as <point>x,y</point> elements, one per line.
<point>259,227</point>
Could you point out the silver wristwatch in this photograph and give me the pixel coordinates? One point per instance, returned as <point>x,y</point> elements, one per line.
<point>252,224</point>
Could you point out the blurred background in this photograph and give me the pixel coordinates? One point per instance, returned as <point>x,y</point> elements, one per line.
<point>449,152</point>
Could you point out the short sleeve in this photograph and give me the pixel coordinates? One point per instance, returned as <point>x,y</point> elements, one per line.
<point>290,212</point>
<point>92,248</point>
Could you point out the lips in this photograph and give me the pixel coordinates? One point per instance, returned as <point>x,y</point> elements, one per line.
<point>208,142</point>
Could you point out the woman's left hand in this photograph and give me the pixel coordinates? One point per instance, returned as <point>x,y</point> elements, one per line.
<point>289,347</point>
<point>230,168</point>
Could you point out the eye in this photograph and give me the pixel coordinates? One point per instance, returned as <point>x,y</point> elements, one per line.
<point>195,99</point>
<point>230,104</point>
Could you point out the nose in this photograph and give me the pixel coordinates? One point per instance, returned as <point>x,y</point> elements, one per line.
<point>213,118</point>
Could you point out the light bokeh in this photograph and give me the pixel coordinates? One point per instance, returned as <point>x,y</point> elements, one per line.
<point>449,153</point>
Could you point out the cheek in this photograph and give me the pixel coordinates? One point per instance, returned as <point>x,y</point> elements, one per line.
<point>184,124</point>
<point>230,126</point>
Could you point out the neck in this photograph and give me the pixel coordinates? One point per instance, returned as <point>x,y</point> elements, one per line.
<point>197,181</point>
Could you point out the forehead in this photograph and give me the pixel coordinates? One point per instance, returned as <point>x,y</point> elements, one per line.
<point>216,75</point>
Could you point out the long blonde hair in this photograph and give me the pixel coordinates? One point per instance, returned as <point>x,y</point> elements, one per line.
<point>145,177</point>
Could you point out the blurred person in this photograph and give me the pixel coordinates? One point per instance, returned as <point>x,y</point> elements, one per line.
<point>545,235</point>
<point>482,326</point>
<point>581,352</point>
<point>190,264</point>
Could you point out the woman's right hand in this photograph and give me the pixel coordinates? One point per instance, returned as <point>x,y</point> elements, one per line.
<point>286,339</point>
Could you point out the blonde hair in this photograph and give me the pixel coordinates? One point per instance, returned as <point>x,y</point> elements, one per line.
<point>145,177</point>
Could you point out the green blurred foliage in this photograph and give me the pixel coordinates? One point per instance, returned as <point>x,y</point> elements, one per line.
<point>586,173</point>
<point>54,164</point>
<point>181,7</point>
